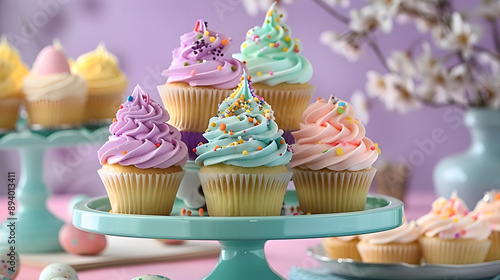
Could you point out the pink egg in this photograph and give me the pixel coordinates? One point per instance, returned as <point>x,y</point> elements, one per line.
<point>50,61</point>
<point>79,242</point>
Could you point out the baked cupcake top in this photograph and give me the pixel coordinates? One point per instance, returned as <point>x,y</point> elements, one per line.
<point>450,219</point>
<point>141,137</point>
<point>101,71</point>
<point>203,60</point>
<point>51,78</point>
<point>8,87</point>
<point>8,52</point>
<point>272,55</point>
<point>406,233</point>
<point>488,209</point>
<point>243,133</point>
<point>331,136</point>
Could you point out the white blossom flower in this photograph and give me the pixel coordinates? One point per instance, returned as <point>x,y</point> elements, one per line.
<point>489,9</point>
<point>400,62</point>
<point>458,87</point>
<point>361,106</point>
<point>400,96</point>
<point>389,5</point>
<point>334,3</point>
<point>340,45</point>
<point>368,19</point>
<point>426,63</point>
<point>435,85</point>
<point>488,61</point>
<point>253,7</point>
<point>461,37</point>
<point>420,11</point>
<point>376,85</point>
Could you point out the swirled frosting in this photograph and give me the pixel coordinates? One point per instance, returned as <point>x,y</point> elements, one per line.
<point>450,219</point>
<point>8,52</point>
<point>488,209</point>
<point>272,55</point>
<point>100,70</point>
<point>141,137</point>
<point>51,78</point>
<point>406,233</point>
<point>202,60</point>
<point>243,133</point>
<point>332,137</point>
<point>7,85</point>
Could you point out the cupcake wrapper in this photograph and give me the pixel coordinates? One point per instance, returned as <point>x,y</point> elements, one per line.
<point>390,253</point>
<point>287,135</point>
<point>332,191</point>
<point>494,252</point>
<point>63,113</point>
<point>192,139</point>
<point>145,194</point>
<point>454,251</point>
<point>9,110</point>
<point>102,107</point>
<point>337,249</point>
<point>288,105</point>
<point>244,194</point>
<point>190,108</point>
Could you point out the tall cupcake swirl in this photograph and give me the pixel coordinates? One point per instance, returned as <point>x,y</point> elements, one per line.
<point>272,55</point>
<point>244,133</point>
<point>332,137</point>
<point>141,137</point>
<point>202,60</point>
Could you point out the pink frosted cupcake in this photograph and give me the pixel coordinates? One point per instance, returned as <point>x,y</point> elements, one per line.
<point>143,158</point>
<point>451,235</point>
<point>488,209</point>
<point>332,159</point>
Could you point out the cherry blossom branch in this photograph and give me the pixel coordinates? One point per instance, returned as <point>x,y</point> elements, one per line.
<point>486,51</point>
<point>378,52</point>
<point>479,98</point>
<point>332,11</point>
<point>496,34</point>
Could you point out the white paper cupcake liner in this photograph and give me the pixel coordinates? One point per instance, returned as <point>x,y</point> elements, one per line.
<point>56,113</point>
<point>146,194</point>
<point>454,251</point>
<point>494,252</point>
<point>332,191</point>
<point>390,253</point>
<point>244,194</point>
<point>9,110</point>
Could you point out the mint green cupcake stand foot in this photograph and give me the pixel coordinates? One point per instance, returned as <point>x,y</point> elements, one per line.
<point>242,239</point>
<point>36,229</point>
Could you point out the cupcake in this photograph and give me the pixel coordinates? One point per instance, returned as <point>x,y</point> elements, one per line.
<point>12,72</point>
<point>399,245</point>
<point>343,247</point>
<point>488,209</point>
<point>55,98</point>
<point>243,170</point>
<point>451,235</point>
<point>332,159</point>
<point>106,84</point>
<point>280,73</point>
<point>201,75</point>
<point>143,158</point>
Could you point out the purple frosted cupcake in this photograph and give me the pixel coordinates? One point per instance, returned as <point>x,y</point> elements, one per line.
<point>143,158</point>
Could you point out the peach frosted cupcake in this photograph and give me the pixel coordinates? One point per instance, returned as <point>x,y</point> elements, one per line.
<point>332,159</point>
<point>451,235</point>
<point>488,209</point>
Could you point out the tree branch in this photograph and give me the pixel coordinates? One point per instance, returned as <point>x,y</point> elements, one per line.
<point>332,11</point>
<point>378,52</point>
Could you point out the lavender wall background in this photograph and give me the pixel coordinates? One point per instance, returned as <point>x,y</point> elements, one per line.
<point>142,35</point>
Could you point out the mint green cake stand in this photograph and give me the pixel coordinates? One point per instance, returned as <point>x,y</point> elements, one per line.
<point>242,238</point>
<point>36,228</point>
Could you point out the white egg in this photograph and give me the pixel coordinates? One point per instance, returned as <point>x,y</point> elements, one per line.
<point>151,277</point>
<point>9,262</point>
<point>58,270</point>
<point>3,277</point>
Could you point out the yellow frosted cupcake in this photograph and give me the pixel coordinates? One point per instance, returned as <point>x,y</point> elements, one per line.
<point>106,84</point>
<point>11,54</point>
<point>243,169</point>
<point>488,209</point>
<point>451,235</point>
<point>342,247</point>
<point>332,159</point>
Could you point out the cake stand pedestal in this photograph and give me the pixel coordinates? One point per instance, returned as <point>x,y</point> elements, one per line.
<point>242,238</point>
<point>36,229</point>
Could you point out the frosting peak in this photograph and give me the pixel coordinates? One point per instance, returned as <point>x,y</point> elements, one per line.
<point>202,60</point>
<point>141,136</point>
<point>8,52</point>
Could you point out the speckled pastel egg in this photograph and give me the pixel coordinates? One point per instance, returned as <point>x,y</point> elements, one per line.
<point>151,277</point>
<point>58,270</point>
<point>79,242</point>
<point>3,277</point>
<point>9,265</point>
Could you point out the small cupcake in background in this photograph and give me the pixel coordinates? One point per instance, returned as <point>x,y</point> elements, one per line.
<point>243,170</point>
<point>343,247</point>
<point>143,158</point>
<point>10,97</point>
<point>399,245</point>
<point>332,159</point>
<point>488,209</point>
<point>280,73</point>
<point>55,98</point>
<point>201,75</point>
<point>451,235</point>
<point>106,84</point>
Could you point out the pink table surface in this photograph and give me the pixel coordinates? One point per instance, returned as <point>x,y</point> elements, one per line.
<point>282,255</point>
